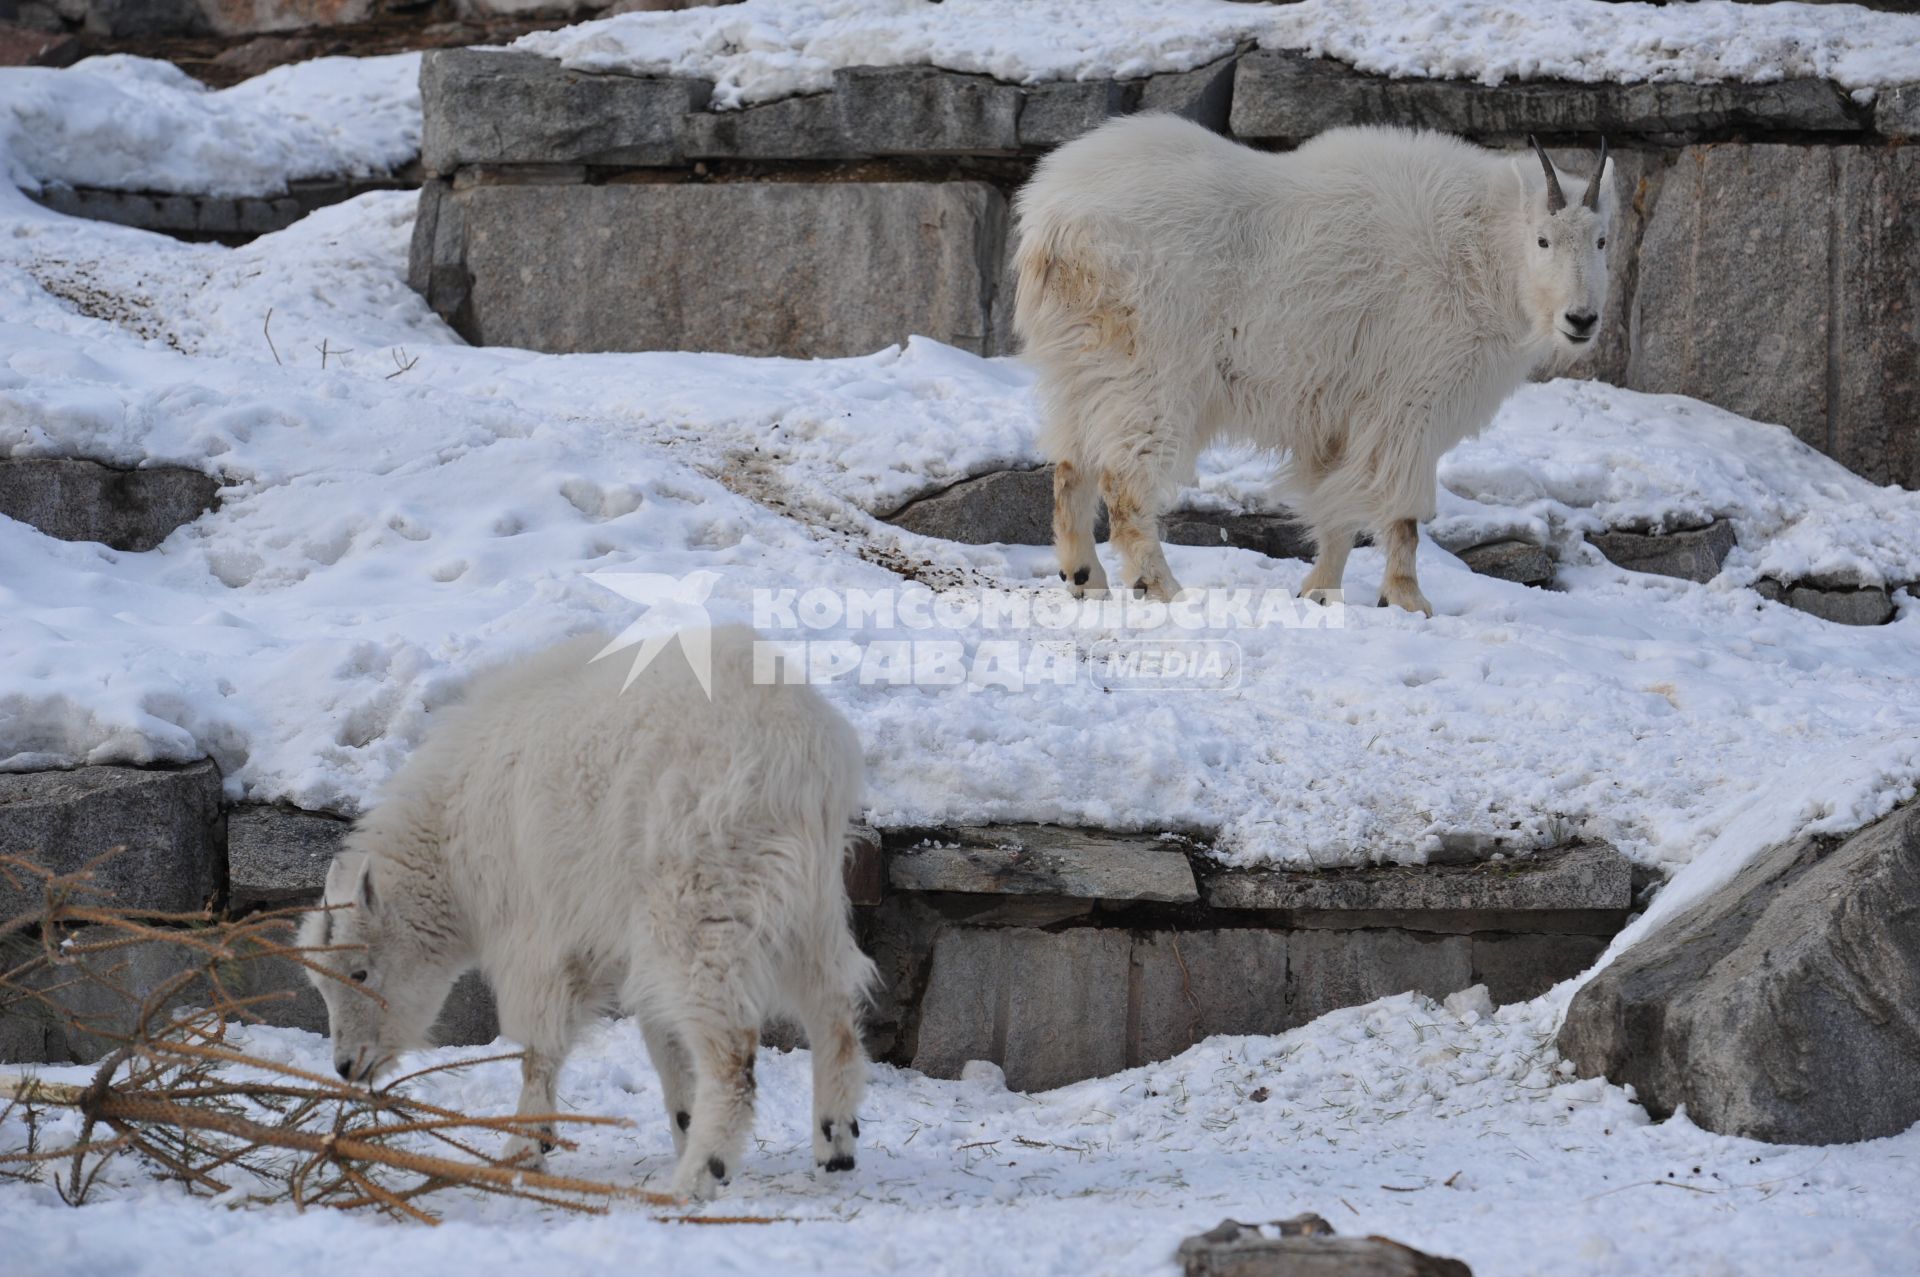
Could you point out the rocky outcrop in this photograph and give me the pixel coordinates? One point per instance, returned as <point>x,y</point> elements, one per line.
<point>1786,1007</point>
<point>1304,1246</point>
<point>1288,97</point>
<point>1692,554</point>
<point>77,500</point>
<point>167,823</point>
<point>760,268</point>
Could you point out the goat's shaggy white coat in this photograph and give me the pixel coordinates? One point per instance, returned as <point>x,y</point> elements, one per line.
<point>1363,303</point>
<point>590,849</point>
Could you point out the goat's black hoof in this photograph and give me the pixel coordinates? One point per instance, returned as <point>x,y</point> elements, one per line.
<point>855,1128</point>
<point>1080,577</point>
<point>840,1162</point>
<point>717,1168</point>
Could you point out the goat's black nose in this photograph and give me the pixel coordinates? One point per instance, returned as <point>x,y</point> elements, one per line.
<point>346,1069</point>
<point>1582,321</point>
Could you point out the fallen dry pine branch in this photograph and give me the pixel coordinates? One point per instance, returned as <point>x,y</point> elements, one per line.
<point>176,1091</point>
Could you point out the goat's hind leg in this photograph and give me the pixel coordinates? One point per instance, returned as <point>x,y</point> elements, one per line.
<point>1400,586</point>
<point>828,996</point>
<point>1076,508</point>
<point>718,1020</point>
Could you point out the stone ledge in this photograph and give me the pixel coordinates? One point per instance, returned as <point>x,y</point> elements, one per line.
<point>29,1032</point>
<point>1015,507</point>
<point>492,106</point>
<point>1288,97</point>
<point>221,217</point>
<point>500,107</point>
<point>1521,562</point>
<point>1843,605</point>
<point>79,500</point>
<point>169,821</point>
<point>1045,860</point>
<point>278,856</point>
<point>1692,554</point>
<point>1577,879</point>
<point>820,263</point>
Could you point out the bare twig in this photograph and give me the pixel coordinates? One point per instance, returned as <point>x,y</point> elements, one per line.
<point>176,1092</point>
<point>325,351</point>
<point>266,328</point>
<point>400,362</point>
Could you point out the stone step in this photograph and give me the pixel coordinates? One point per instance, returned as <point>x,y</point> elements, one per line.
<point>79,500</point>
<point>1063,954</point>
<point>228,219</point>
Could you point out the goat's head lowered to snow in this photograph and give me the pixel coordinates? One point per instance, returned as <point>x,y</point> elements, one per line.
<point>392,982</point>
<point>1564,278</point>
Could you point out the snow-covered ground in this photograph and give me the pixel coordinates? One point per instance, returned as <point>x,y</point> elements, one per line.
<point>1453,1132</point>
<point>384,533</point>
<point>401,510</point>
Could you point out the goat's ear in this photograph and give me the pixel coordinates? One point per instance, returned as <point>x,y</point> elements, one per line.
<point>363,897</point>
<point>350,880</point>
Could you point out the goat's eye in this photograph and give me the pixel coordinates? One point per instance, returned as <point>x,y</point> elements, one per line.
<point>358,977</point>
<point>1603,241</point>
<point>1543,242</point>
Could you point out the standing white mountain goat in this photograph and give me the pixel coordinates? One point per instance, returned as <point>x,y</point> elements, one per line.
<point>1363,303</point>
<point>590,849</point>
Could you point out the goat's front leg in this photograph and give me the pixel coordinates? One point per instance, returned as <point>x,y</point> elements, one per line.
<point>1329,566</point>
<point>676,1079</point>
<point>1133,514</point>
<point>539,1010</point>
<point>1400,587</point>
<point>538,1070</point>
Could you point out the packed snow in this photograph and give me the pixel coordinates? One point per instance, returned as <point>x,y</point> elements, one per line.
<point>125,123</point>
<point>766,49</point>
<point>1448,1128</point>
<point>384,533</point>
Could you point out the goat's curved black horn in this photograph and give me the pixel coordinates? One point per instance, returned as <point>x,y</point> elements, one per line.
<point>1555,200</point>
<point>1592,198</point>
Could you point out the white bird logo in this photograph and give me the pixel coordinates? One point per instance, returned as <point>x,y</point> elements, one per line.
<point>676,609</point>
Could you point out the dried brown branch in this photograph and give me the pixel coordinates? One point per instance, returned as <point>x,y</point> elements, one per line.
<point>177,1092</point>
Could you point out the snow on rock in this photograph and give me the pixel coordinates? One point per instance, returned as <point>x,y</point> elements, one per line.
<point>1459,1132</point>
<point>384,533</point>
<point>766,49</point>
<point>125,123</point>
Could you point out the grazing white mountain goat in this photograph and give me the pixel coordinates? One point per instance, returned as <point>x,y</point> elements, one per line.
<point>589,849</point>
<point>1363,303</point>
